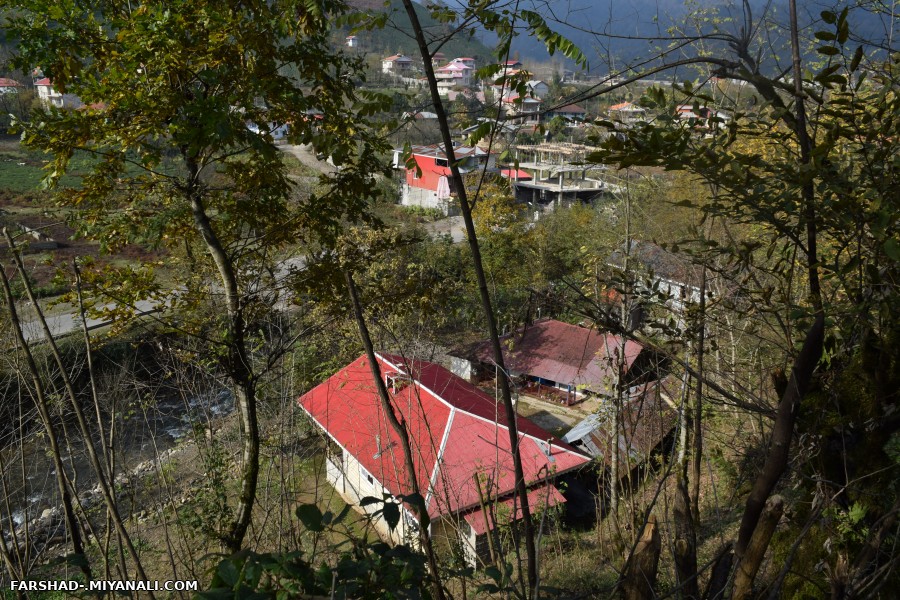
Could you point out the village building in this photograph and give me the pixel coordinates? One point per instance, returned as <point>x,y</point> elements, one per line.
<point>10,86</point>
<point>648,418</point>
<point>49,96</point>
<point>526,110</point>
<point>456,74</point>
<point>438,58</point>
<point>665,272</point>
<point>627,114</point>
<point>538,88</point>
<point>559,362</point>
<point>430,185</point>
<point>352,41</point>
<point>397,64</point>
<point>569,112</point>
<point>702,118</point>
<point>460,447</point>
<point>560,175</point>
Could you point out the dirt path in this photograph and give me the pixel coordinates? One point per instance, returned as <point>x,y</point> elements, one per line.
<point>305,155</point>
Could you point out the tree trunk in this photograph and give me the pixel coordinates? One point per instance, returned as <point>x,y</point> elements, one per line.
<point>721,571</point>
<point>685,542</point>
<point>99,467</point>
<point>782,432</point>
<point>756,550</point>
<point>487,305</point>
<point>639,578</point>
<point>388,409</point>
<point>237,366</point>
<point>63,487</point>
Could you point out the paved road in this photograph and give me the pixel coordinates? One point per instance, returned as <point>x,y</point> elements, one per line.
<point>65,324</point>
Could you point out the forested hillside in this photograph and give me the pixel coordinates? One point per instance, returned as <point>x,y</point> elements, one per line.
<point>278,322</point>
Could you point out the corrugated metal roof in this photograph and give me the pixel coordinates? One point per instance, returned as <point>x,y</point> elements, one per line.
<point>457,431</point>
<point>648,415</point>
<point>538,498</point>
<point>564,353</point>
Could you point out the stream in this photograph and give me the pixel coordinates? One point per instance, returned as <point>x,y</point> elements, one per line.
<point>142,435</point>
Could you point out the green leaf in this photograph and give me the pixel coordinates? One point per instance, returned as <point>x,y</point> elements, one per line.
<point>857,57</point>
<point>892,249</point>
<point>391,512</point>
<point>828,50</point>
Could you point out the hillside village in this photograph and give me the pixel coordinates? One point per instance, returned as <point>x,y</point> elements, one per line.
<point>373,324</point>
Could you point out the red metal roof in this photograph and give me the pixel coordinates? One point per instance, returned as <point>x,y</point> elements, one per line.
<point>44,81</point>
<point>564,353</point>
<point>6,82</point>
<point>457,432</point>
<point>538,497</point>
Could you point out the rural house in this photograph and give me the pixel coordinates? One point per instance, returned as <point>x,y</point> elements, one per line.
<point>396,65</point>
<point>627,113</point>
<point>49,96</point>
<point>430,185</point>
<point>460,446</point>
<point>559,361</point>
<point>10,86</point>
<point>648,417</point>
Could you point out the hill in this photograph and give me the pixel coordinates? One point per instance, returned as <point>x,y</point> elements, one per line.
<point>397,36</point>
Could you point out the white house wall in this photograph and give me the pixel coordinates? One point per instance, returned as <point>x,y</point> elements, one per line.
<point>352,483</point>
<point>414,196</point>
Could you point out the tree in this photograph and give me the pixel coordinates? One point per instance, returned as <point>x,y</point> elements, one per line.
<point>182,103</point>
<point>815,195</point>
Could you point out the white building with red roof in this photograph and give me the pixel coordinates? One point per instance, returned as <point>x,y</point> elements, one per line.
<point>460,447</point>
<point>627,113</point>
<point>396,64</point>
<point>10,86</point>
<point>456,73</point>
<point>49,96</point>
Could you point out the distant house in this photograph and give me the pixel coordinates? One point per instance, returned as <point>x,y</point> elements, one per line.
<point>648,417</point>
<point>438,58</point>
<point>525,109</point>
<point>396,65</point>
<point>352,41</point>
<point>668,273</point>
<point>627,113</point>
<point>48,95</point>
<point>454,74</point>
<point>560,361</point>
<point>702,117</point>
<point>569,112</point>
<point>501,128</point>
<point>10,86</point>
<point>538,88</point>
<point>430,186</point>
<point>460,446</point>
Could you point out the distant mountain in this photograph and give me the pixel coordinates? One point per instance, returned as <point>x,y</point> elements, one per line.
<point>627,29</point>
<point>397,36</point>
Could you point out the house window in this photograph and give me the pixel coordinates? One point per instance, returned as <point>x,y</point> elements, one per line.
<point>366,475</point>
<point>441,162</point>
